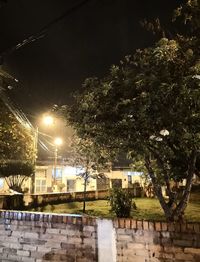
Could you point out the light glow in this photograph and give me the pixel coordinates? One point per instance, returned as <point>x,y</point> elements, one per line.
<point>58,141</point>
<point>48,120</point>
<point>73,171</point>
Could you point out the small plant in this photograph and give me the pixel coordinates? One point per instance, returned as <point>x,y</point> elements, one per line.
<point>121,202</point>
<point>61,186</point>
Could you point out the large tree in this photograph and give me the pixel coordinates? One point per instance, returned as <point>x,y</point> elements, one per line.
<point>149,106</point>
<point>16,139</point>
<point>17,142</point>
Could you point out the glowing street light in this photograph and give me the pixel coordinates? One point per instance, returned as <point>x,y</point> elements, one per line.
<point>48,120</point>
<point>58,141</point>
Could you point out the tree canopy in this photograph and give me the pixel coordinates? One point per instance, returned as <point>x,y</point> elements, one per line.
<point>149,107</point>
<point>16,141</point>
<point>16,135</point>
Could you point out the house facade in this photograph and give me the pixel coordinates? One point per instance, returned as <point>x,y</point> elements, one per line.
<point>68,179</point>
<point>63,178</point>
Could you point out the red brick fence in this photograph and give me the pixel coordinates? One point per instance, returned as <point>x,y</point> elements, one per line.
<point>36,237</point>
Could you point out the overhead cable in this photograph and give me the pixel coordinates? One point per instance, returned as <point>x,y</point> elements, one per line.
<point>42,32</point>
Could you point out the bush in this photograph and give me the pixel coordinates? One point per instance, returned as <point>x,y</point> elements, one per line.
<point>14,202</point>
<point>121,202</point>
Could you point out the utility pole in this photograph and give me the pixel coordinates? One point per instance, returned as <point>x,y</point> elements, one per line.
<point>55,163</point>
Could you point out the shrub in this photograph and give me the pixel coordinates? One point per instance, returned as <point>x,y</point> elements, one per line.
<point>121,202</point>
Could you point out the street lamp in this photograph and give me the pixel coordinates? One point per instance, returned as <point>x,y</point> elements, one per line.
<point>58,141</point>
<point>48,120</point>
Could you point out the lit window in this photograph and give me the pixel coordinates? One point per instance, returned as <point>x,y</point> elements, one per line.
<point>57,174</point>
<point>1,183</point>
<point>40,185</point>
<point>133,173</point>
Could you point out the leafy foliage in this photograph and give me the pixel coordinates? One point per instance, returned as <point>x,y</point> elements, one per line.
<point>154,90</point>
<point>149,107</point>
<point>16,142</point>
<point>121,202</point>
<point>17,152</point>
<point>184,22</point>
<point>188,15</point>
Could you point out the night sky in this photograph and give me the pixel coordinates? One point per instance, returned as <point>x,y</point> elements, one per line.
<point>84,44</point>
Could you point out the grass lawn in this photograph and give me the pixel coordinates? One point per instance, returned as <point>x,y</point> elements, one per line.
<point>147,208</point>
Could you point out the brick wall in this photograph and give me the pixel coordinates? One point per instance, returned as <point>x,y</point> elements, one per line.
<point>36,237</point>
<point>142,241</point>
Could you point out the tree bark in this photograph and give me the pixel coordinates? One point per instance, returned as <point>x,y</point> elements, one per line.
<point>84,193</point>
<point>171,210</point>
<point>179,211</point>
<point>157,188</point>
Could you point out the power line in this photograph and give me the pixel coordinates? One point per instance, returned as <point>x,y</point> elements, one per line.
<point>17,113</point>
<point>23,121</point>
<point>44,146</point>
<point>42,32</point>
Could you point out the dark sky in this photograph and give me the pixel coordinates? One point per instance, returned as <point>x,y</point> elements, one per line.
<point>82,45</point>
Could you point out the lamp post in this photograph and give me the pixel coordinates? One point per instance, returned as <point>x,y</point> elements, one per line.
<point>48,121</point>
<point>35,148</point>
<point>57,142</point>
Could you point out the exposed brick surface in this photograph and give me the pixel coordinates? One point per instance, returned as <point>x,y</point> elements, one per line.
<point>158,226</point>
<point>39,237</point>
<point>32,237</point>
<point>158,241</point>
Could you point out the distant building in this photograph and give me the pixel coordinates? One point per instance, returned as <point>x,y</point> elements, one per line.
<point>65,178</point>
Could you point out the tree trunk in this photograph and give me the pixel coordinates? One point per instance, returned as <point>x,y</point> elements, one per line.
<point>158,192</point>
<point>179,210</point>
<point>84,194</point>
<point>172,211</point>
<point>157,188</point>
